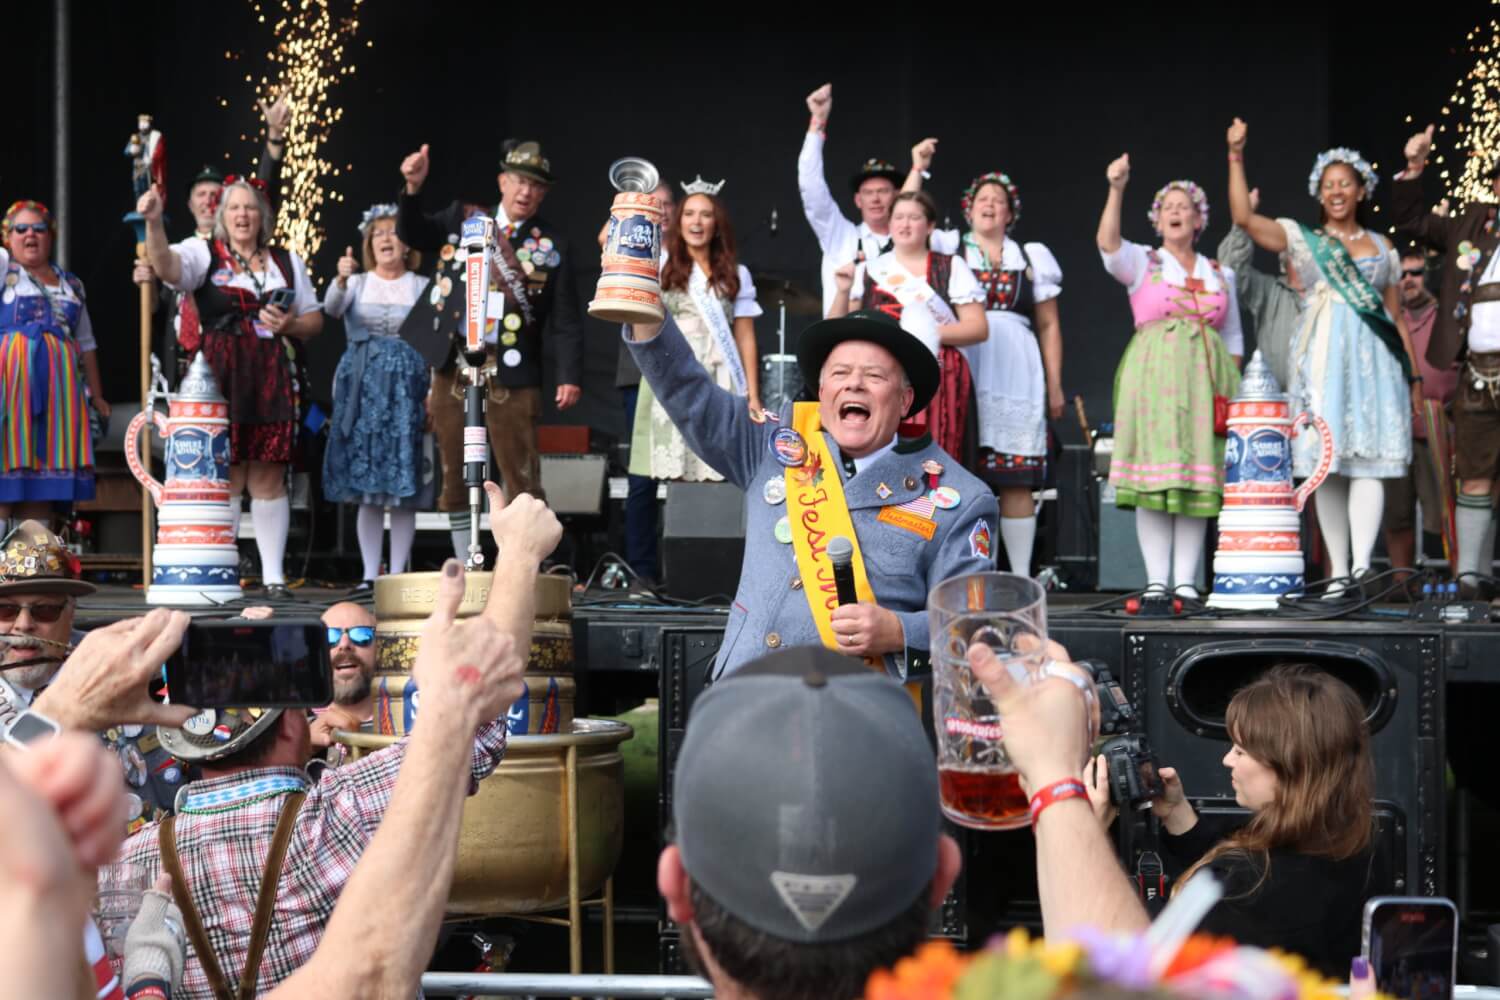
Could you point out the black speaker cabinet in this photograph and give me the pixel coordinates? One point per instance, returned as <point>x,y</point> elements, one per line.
<point>686,656</point>
<point>703,540</point>
<point>1181,676</point>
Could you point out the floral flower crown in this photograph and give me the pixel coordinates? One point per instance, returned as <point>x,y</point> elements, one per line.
<point>17,207</point>
<point>1345,155</point>
<point>1193,191</point>
<point>384,210</point>
<point>993,177</point>
<point>1015,967</point>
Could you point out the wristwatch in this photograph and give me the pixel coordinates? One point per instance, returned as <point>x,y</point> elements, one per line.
<point>31,727</point>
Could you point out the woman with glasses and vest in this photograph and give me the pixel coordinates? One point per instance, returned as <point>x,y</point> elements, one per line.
<point>253,300</point>
<point>47,356</point>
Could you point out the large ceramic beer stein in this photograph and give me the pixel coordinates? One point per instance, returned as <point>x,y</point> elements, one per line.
<point>1259,557</point>
<point>195,560</point>
<point>629,289</point>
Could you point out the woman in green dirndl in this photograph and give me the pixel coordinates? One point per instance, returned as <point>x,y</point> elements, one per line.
<point>1168,461</point>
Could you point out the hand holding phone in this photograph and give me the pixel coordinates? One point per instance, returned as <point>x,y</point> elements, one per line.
<point>282,298</point>
<point>240,664</point>
<point>1411,943</point>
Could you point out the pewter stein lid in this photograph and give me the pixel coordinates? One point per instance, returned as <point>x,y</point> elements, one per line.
<point>199,384</point>
<point>1258,384</point>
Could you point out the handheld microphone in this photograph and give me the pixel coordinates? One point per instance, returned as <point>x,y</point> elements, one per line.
<point>841,555</point>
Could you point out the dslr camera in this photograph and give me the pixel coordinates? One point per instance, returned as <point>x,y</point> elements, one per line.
<point>1133,779</point>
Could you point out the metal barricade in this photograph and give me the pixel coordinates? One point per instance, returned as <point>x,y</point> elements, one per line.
<point>511,984</point>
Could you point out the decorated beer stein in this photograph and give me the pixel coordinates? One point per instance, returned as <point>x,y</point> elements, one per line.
<point>196,558</point>
<point>629,289</point>
<point>1259,557</point>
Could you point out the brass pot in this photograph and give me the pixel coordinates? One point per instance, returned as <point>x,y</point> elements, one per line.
<point>513,845</point>
<point>396,641</point>
<point>411,595</point>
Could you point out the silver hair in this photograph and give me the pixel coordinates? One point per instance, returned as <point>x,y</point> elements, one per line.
<point>267,217</point>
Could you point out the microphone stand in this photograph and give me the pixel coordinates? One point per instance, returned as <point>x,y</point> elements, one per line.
<point>478,242</point>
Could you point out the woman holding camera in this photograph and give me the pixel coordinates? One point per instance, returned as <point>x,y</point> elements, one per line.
<point>1297,873</point>
<point>254,300</point>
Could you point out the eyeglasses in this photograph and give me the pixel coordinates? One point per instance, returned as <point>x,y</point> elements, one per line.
<point>1413,272</point>
<point>44,614</point>
<point>360,635</point>
<point>29,227</point>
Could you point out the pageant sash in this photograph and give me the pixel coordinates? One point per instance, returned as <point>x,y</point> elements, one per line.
<point>1345,278</point>
<point>817,511</point>
<point>713,314</point>
<point>911,291</point>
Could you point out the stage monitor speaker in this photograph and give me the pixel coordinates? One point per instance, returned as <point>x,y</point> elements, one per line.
<point>574,483</point>
<point>685,656</point>
<point>1180,677</point>
<point>703,540</point>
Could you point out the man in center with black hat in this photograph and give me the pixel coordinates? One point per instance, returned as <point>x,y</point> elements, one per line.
<point>829,469</point>
<point>531,294</point>
<point>842,241</point>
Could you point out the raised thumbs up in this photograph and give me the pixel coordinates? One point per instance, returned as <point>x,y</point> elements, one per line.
<point>414,170</point>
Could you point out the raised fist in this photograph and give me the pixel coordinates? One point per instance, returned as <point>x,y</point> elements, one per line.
<point>922,154</point>
<point>820,102</point>
<point>1236,135</point>
<point>149,205</point>
<point>347,266</point>
<point>1118,172</point>
<point>1417,148</point>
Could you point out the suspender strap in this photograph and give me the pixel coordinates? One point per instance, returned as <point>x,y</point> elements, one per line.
<point>265,903</point>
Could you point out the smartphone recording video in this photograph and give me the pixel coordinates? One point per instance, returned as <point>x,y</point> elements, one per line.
<point>234,664</point>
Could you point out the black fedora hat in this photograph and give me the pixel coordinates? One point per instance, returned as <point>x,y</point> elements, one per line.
<point>917,359</point>
<point>876,167</point>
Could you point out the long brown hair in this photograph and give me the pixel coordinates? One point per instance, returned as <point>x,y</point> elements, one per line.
<point>1308,727</point>
<point>724,271</point>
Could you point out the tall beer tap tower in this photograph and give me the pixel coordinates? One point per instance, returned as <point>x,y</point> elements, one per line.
<point>478,240</point>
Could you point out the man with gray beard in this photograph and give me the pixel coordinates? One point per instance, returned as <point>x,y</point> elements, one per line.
<point>351,651</point>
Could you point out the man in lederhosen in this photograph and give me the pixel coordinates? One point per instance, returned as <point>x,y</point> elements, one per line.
<point>531,294</point>
<point>1467,326</point>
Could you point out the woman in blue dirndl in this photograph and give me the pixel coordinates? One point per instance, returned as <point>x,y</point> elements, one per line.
<point>374,454</point>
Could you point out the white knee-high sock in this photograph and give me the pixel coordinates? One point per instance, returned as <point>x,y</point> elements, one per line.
<point>1332,499</point>
<point>403,533</point>
<point>369,524</point>
<point>1366,504</point>
<point>1019,534</point>
<point>273,519</point>
<point>1153,529</point>
<point>1487,549</point>
<point>1473,517</point>
<point>1187,549</point>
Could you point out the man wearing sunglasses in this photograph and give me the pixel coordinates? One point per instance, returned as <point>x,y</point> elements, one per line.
<point>351,651</point>
<point>1439,384</point>
<point>39,591</point>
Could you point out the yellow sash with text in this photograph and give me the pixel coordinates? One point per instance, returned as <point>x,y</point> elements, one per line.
<point>818,512</point>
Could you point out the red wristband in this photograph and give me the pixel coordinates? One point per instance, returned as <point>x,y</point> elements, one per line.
<point>1235,157</point>
<point>1067,788</point>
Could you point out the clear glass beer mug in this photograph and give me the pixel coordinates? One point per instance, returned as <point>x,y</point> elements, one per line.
<point>978,783</point>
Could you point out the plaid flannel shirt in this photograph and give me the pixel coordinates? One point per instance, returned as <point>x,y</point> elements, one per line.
<point>224,854</point>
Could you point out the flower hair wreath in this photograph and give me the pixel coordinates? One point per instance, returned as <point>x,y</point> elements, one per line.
<point>1349,157</point>
<point>1193,191</point>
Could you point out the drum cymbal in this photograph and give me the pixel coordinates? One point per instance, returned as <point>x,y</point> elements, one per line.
<point>774,286</point>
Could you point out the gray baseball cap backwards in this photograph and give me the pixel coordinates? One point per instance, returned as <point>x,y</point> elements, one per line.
<point>805,799</point>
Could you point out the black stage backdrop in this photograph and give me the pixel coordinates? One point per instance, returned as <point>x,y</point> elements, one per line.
<point>1050,101</point>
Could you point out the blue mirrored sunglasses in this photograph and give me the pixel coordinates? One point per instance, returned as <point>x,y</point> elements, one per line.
<point>360,635</point>
<point>29,227</point>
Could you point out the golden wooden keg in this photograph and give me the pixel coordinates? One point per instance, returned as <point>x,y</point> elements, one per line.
<point>513,847</point>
